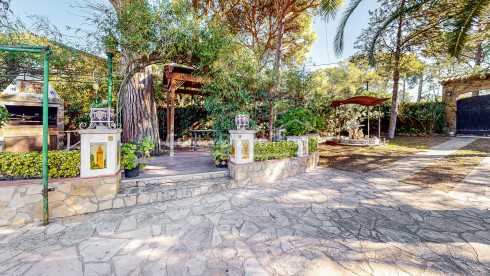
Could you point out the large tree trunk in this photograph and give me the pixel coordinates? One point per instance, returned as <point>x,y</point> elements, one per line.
<point>421,83</point>
<point>139,113</point>
<point>396,77</point>
<point>478,59</point>
<point>404,89</point>
<point>277,70</point>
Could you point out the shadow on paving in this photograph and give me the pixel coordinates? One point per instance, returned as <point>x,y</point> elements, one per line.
<point>366,225</point>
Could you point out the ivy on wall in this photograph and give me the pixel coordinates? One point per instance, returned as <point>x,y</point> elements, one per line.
<point>25,165</point>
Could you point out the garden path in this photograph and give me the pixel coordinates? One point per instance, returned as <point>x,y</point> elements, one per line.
<point>407,166</point>
<point>326,222</point>
<point>476,184</point>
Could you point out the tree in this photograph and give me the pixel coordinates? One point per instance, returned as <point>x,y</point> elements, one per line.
<point>149,33</point>
<point>401,19</point>
<point>284,9</point>
<point>254,26</point>
<point>139,117</point>
<point>461,21</point>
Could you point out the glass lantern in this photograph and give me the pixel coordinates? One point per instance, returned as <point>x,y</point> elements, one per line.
<point>242,121</point>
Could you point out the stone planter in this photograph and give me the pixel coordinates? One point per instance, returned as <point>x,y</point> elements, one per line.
<point>101,117</point>
<point>302,142</point>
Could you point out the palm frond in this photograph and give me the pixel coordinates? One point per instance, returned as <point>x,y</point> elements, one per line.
<point>393,17</point>
<point>329,8</point>
<point>462,23</point>
<point>339,37</point>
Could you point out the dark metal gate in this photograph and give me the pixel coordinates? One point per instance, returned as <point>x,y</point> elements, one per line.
<point>473,116</point>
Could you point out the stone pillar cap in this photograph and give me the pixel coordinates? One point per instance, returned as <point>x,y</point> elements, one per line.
<point>99,131</point>
<point>240,131</point>
<point>297,137</point>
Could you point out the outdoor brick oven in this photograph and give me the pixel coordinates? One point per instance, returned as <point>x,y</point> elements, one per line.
<point>23,99</point>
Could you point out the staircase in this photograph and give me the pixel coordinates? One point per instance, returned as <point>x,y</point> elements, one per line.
<point>159,189</point>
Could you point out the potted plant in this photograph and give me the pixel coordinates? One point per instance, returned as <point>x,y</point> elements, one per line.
<point>134,157</point>
<point>221,152</point>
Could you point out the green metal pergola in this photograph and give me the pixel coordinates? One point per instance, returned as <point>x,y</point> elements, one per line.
<point>46,52</point>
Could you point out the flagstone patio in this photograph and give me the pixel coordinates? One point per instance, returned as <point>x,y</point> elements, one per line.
<point>326,222</point>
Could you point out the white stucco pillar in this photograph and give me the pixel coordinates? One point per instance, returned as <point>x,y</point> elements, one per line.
<point>242,142</point>
<point>100,152</point>
<point>302,142</point>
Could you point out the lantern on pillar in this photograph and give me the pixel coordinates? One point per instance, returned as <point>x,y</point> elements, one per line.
<point>242,121</point>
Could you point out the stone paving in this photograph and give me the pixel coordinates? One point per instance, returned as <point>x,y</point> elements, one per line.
<point>326,222</point>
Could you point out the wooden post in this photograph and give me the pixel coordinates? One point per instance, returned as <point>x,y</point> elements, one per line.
<point>172,117</point>
<point>167,139</point>
<point>379,122</point>
<point>368,121</point>
<point>68,140</point>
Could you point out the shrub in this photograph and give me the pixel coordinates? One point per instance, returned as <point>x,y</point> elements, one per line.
<point>274,150</point>
<point>423,117</point>
<point>24,165</point>
<point>312,144</point>
<point>299,121</point>
<point>133,155</point>
<point>4,116</point>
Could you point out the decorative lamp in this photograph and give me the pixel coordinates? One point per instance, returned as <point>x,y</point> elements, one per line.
<point>242,121</point>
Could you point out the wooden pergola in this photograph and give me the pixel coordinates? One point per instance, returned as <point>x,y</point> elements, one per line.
<point>178,80</point>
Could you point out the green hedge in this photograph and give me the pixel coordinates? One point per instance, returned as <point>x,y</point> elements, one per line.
<point>312,144</point>
<point>274,150</point>
<point>29,164</point>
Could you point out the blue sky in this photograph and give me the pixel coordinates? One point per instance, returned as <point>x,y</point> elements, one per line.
<point>322,51</point>
<point>62,14</point>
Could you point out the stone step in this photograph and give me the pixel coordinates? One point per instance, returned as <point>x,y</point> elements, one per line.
<point>170,190</point>
<point>143,182</point>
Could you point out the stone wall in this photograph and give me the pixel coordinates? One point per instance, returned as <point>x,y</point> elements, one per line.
<point>452,89</point>
<point>23,202</point>
<point>272,170</point>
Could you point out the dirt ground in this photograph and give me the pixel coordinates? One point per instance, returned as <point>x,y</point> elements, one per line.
<point>365,159</point>
<point>447,172</point>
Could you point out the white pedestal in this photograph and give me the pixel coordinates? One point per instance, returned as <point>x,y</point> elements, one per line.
<point>302,142</point>
<point>242,142</point>
<point>100,152</point>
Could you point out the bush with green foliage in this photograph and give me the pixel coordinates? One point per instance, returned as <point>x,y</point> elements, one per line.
<point>300,121</point>
<point>24,165</point>
<point>133,155</point>
<point>427,117</point>
<point>4,116</point>
<point>274,150</point>
<point>221,152</point>
<point>312,144</point>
